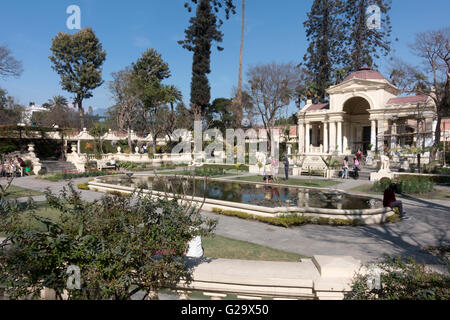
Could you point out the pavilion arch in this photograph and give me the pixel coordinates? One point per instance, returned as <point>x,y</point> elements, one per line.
<point>360,95</point>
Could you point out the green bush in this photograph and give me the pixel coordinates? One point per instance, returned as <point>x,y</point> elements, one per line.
<point>402,281</point>
<point>415,184</point>
<point>8,149</point>
<point>42,172</point>
<point>381,184</point>
<point>83,186</point>
<point>406,184</point>
<point>290,219</point>
<point>121,245</point>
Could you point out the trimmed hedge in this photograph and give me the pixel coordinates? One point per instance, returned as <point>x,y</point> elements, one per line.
<point>298,220</point>
<point>406,184</point>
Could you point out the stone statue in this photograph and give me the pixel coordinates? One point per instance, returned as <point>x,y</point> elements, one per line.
<point>385,163</point>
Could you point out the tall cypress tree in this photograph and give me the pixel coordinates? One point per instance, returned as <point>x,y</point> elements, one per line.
<point>199,36</point>
<point>324,33</point>
<point>363,44</point>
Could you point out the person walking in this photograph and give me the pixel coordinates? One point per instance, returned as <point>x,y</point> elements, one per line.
<point>345,168</point>
<point>286,167</point>
<point>389,200</point>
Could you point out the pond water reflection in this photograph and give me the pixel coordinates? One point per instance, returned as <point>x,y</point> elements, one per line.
<point>254,194</point>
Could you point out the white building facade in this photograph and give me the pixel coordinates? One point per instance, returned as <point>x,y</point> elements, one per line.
<point>365,111</point>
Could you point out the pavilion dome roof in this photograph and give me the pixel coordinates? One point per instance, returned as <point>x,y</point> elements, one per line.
<point>365,74</point>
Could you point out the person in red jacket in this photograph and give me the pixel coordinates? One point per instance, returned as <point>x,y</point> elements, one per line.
<point>389,200</point>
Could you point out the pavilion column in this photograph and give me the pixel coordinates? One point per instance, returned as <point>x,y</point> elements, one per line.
<point>307,137</point>
<point>79,146</point>
<point>380,136</point>
<point>325,137</point>
<point>373,135</point>
<point>339,136</point>
<point>332,136</point>
<point>346,130</point>
<point>394,135</point>
<point>301,137</point>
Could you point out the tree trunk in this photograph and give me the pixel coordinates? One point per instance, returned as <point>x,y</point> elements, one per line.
<point>437,138</point>
<point>129,139</point>
<point>238,106</point>
<point>81,112</point>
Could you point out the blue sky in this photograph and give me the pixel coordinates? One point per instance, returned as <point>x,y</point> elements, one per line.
<point>274,32</point>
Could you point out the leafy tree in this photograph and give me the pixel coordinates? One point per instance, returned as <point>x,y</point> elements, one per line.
<point>10,111</point>
<point>402,280</point>
<point>220,114</point>
<point>199,36</point>
<point>98,130</point>
<point>325,35</point>
<point>127,103</point>
<point>364,45</point>
<point>59,113</point>
<point>78,59</point>
<point>8,65</point>
<point>271,88</point>
<point>148,73</point>
<point>433,78</point>
<point>122,245</point>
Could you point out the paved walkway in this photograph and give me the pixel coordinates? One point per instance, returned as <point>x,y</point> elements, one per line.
<point>429,225</point>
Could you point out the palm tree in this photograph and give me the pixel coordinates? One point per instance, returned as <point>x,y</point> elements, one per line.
<point>56,101</point>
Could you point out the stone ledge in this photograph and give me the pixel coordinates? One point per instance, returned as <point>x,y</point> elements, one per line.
<point>336,266</point>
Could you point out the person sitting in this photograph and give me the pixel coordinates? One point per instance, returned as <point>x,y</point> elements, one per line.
<point>356,163</point>
<point>389,200</point>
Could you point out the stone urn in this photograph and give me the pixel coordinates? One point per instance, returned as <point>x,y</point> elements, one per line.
<point>119,150</point>
<point>31,148</point>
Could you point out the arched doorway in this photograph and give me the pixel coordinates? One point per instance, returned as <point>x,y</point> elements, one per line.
<point>356,130</point>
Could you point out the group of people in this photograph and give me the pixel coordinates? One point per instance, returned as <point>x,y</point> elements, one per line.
<point>14,167</point>
<point>356,165</point>
<point>271,168</point>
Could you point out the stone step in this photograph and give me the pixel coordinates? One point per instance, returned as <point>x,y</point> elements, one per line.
<point>58,166</point>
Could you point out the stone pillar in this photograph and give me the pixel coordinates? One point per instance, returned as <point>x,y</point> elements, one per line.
<point>307,138</point>
<point>332,136</point>
<point>380,136</point>
<point>79,146</point>
<point>393,135</point>
<point>345,137</point>
<point>373,135</point>
<point>301,138</point>
<point>325,137</point>
<point>339,136</point>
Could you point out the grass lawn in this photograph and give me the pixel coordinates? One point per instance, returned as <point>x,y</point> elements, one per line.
<point>214,246</point>
<point>222,247</point>
<point>189,172</point>
<point>301,182</point>
<point>437,194</point>
<point>15,192</point>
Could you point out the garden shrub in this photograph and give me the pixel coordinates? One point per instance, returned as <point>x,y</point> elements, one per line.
<point>406,184</point>
<point>289,220</point>
<point>121,245</point>
<point>402,280</point>
<point>42,172</point>
<point>415,184</point>
<point>83,186</point>
<point>381,184</point>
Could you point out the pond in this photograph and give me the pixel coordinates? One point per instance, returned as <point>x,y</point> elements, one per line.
<point>265,195</point>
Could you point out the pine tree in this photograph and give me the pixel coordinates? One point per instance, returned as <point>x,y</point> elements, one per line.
<point>363,44</point>
<point>199,36</point>
<point>322,31</point>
